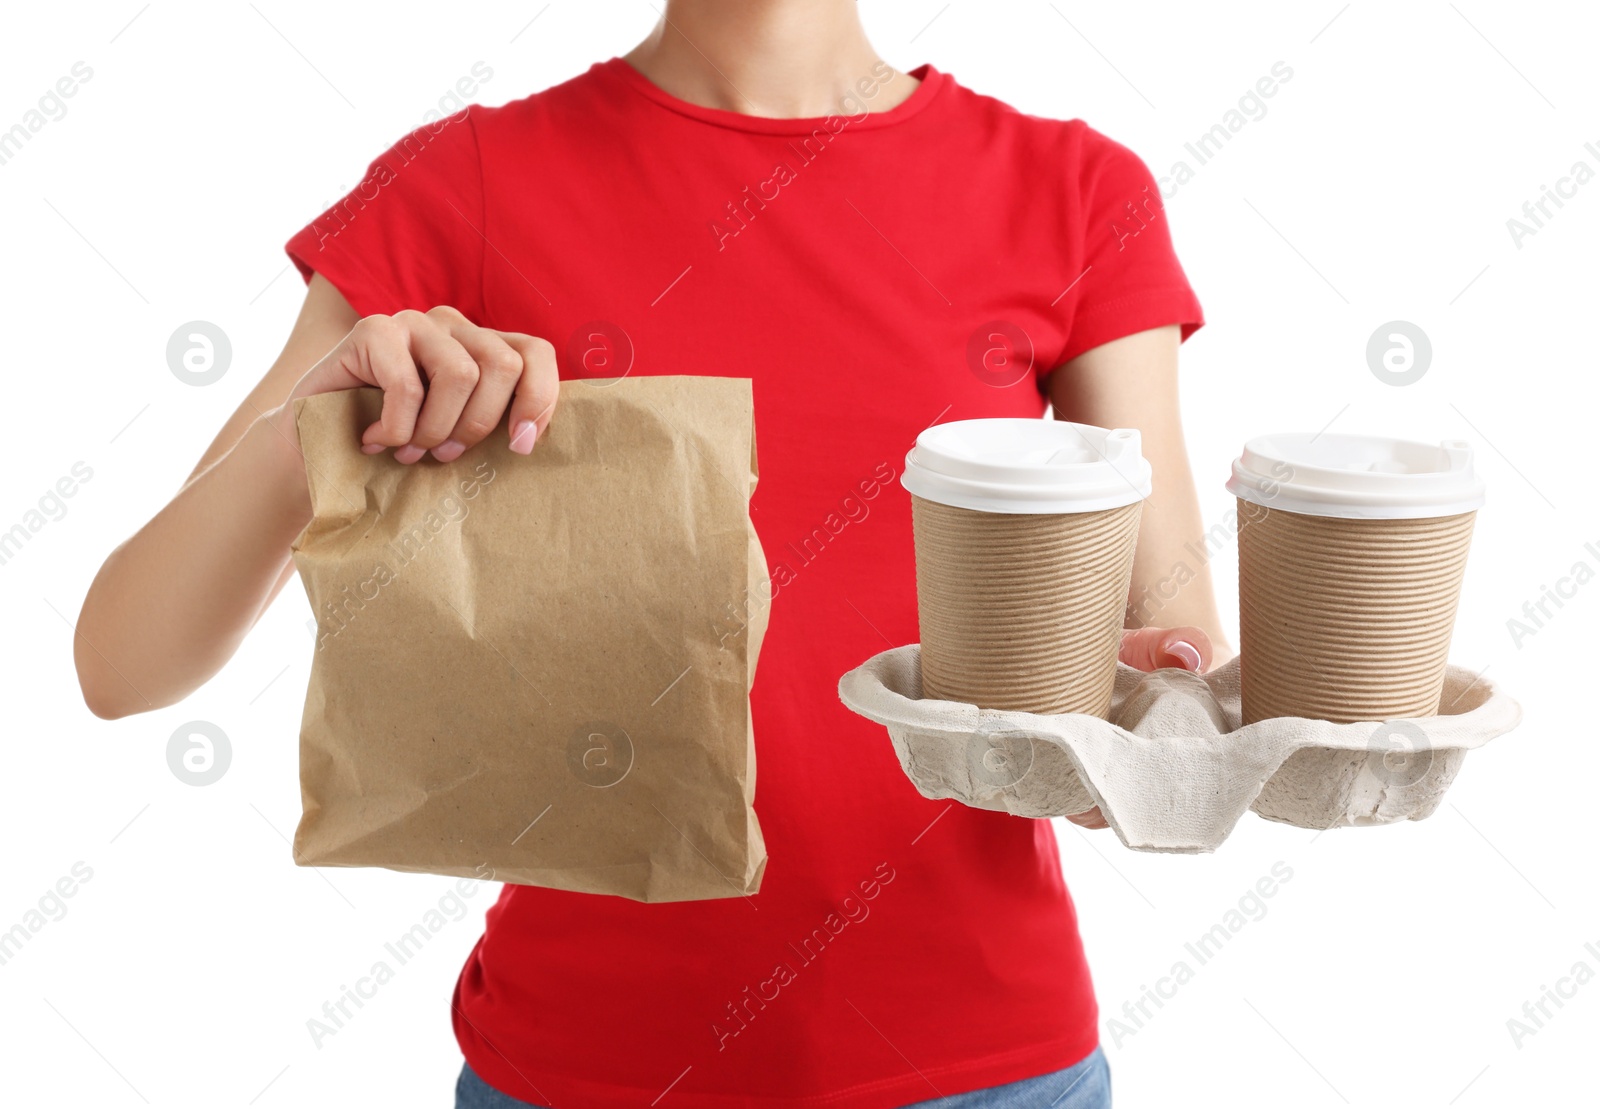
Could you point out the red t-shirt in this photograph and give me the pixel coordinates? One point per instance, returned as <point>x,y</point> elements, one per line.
<point>872,274</point>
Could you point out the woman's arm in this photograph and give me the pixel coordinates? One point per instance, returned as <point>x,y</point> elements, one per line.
<point>1133,382</point>
<point>172,604</point>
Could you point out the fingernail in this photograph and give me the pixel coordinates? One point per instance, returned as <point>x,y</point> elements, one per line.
<point>449,451</point>
<point>408,454</point>
<point>524,435</point>
<point>1186,653</point>
<point>373,448</point>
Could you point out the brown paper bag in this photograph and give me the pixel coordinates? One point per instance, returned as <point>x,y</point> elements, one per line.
<point>537,669</point>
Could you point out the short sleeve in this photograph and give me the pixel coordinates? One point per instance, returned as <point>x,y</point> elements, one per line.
<point>409,235</point>
<point>1129,279</point>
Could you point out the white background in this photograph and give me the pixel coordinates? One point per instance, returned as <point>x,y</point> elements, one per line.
<point>1376,188</point>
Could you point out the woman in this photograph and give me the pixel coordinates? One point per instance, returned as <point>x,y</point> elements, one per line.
<point>750,192</point>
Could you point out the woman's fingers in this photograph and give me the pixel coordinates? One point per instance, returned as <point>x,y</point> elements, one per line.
<point>1186,648</point>
<point>1092,819</point>
<point>399,354</point>
<point>500,368</point>
<point>452,375</point>
<point>535,398</point>
<point>378,352</point>
<point>446,382</point>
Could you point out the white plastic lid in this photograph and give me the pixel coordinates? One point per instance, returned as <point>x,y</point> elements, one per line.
<point>1357,477</point>
<point>1027,466</point>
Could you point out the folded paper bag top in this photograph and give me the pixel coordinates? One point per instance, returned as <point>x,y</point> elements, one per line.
<point>536,669</point>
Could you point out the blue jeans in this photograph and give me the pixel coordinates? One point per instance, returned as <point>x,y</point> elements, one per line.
<point>1085,1086</point>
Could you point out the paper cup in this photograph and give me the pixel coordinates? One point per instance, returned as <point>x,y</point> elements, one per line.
<point>1025,533</point>
<point>1352,550</point>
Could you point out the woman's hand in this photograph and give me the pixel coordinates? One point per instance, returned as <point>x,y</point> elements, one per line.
<point>1163,648</point>
<point>173,603</point>
<point>446,382</point>
<point>1156,649</point>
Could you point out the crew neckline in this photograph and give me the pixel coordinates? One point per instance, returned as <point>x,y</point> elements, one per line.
<point>932,84</point>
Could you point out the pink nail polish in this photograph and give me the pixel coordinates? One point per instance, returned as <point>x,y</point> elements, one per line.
<point>449,451</point>
<point>523,437</point>
<point>1186,653</point>
<point>408,454</point>
<point>373,448</point>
